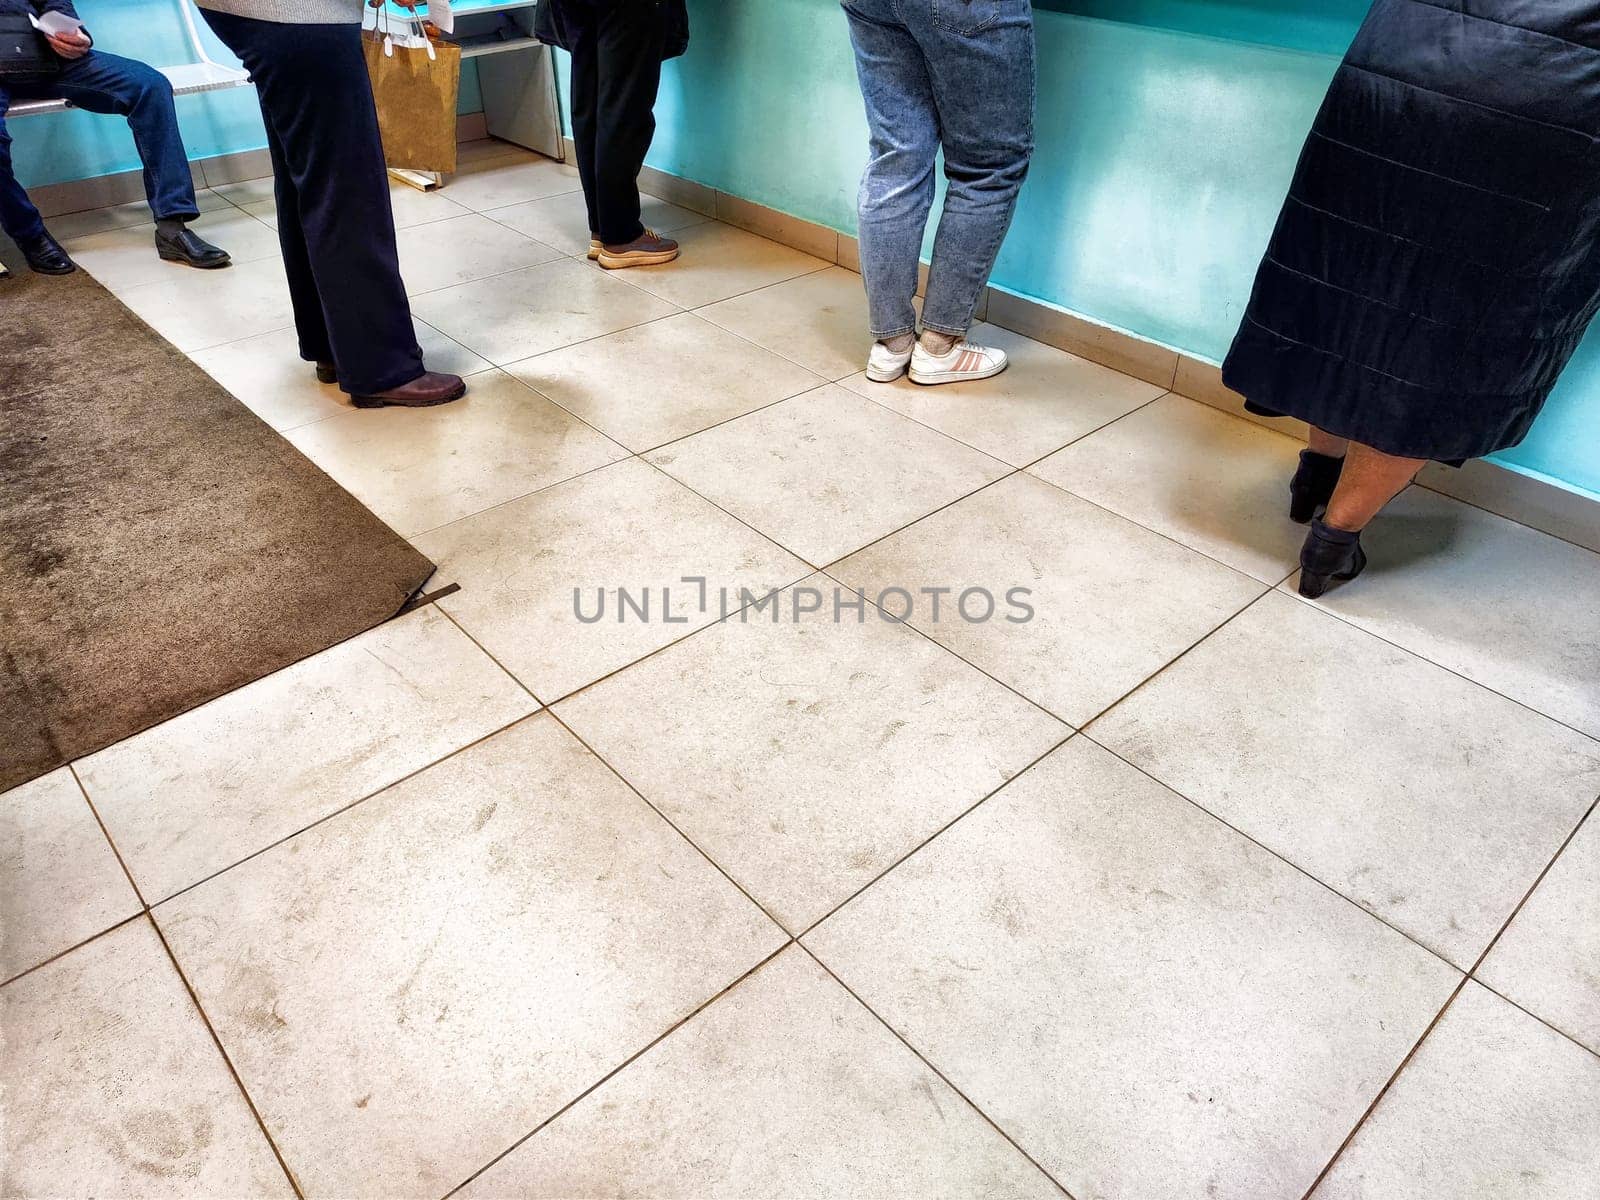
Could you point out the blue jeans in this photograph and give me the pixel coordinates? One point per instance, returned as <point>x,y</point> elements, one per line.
<point>957,74</point>
<point>104,83</point>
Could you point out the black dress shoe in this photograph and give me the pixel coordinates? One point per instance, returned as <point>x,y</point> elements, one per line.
<point>327,373</point>
<point>1313,484</point>
<point>1330,555</point>
<point>46,257</point>
<point>188,247</point>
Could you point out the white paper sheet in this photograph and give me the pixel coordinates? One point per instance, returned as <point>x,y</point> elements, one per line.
<point>54,24</point>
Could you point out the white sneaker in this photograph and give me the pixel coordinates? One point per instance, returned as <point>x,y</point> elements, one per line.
<point>885,365</point>
<point>962,363</point>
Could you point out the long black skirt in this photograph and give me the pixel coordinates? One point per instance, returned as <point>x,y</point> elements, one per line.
<point>1437,260</point>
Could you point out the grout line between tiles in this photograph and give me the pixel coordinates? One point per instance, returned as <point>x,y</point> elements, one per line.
<point>342,809</point>
<point>83,791</point>
<point>1528,1012</point>
<point>1446,667</point>
<point>895,1033</point>
<point>194,996</point>
<point>1384,1090</point>
<point>622,1066</point>
<point>1328,887</point>
<point>939,832</point>
<point>1470,976</point>
<point>621,778</point>
<point>94,937</point>
<point>698,849</point>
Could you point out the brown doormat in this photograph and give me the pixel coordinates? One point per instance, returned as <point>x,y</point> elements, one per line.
<point>159,544</point>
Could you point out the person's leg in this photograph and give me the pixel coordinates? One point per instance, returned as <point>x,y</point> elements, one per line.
<point>1332,550</point>
<point>310,325</point>
<point>18,217</point>
<point>1321,464</point>
<point>313,84</point>
<point>105,83</point>
<point>629,62</point>
<point>897,187</point>
<point>1326,444</point>
<point>984,82</point>
<point>1369,481</point>
<point>585,81</point>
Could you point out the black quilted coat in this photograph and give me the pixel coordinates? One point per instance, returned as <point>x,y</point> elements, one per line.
<point>1438,257</point>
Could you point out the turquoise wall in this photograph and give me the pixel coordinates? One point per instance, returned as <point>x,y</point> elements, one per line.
<point>1168,130</point>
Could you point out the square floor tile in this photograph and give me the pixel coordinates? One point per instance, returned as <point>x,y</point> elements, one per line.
<point>197,309</point>
<point>419,468</point>
<point>827,472</point>
<point>1423,797</point>
<point>822,750</point>
<point>785,1087</point>
<point>1493,1106</point>
<point>126,258</point>
<point>1150,1005</point>
<point>530,569</point>
<point>663,381</point>
<point>206,789</point>
<point>1548,961</point>
<point>410,988</point>
<point>818,320</point>
<point>268,375</point>
<point>1513,608</point>
<point>563,221</point>
<point>527,312</point>
<point>114,1088</point>
<point>1044,399</point>
<point>499,181</point>
<point>719,261</point>
<point>1075,606</point>
<point>461,249</point>
<point>1216,482</point>
<point>60,883</point>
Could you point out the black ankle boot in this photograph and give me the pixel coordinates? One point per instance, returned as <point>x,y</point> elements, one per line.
<point>1312,485</point>
<point>1329,555</point>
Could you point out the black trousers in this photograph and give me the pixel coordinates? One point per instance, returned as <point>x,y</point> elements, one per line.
<point>616,72</point>
<point>334,218</point>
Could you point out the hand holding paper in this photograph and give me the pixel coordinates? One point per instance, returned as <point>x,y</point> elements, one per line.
<point>65,34</point>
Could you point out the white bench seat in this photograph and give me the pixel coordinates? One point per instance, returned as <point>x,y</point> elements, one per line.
<point>187,80</point>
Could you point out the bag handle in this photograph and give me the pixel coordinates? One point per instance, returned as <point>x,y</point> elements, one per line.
<point>413,24</point>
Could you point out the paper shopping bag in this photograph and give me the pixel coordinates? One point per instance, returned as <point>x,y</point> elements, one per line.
<point>415,84</point>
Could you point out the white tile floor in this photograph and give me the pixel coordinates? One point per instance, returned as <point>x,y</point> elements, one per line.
<point>1182,888</point>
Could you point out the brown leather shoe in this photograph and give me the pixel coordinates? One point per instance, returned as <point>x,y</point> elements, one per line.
<point>425,390</point>
<point>647,250</point>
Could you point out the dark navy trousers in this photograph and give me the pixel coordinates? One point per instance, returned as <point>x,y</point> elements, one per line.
<point>104,83</point>
<point>334,217</point>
